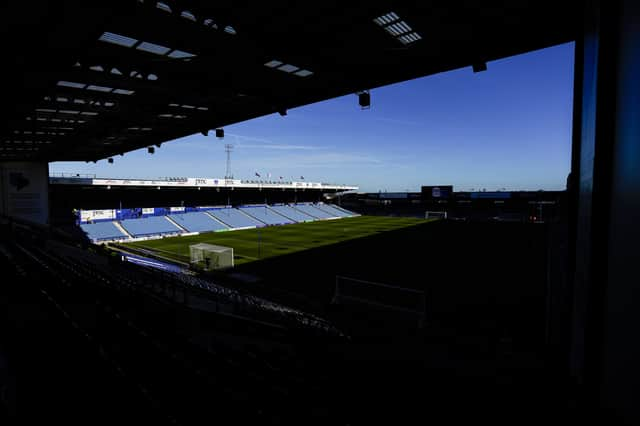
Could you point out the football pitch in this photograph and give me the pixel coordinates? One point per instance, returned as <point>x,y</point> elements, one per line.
<point>261,243</point>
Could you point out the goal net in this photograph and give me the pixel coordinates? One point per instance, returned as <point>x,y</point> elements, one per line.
<point>382,296</point>
<point>208,256</point>
<point>435,215</point>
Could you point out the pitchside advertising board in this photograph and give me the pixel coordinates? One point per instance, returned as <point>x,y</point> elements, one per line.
<point>437,192</point>
<point>24,191</point>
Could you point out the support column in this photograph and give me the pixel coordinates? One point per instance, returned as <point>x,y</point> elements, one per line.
<point>620,373</point>
<point>606,173</point>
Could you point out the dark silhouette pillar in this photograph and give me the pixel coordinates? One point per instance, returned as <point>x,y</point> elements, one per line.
<point>605,349</point>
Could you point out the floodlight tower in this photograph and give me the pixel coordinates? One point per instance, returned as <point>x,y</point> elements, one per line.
<point>228,148</point>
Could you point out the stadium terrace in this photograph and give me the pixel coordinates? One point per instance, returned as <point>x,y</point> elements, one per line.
<point>149,223</point>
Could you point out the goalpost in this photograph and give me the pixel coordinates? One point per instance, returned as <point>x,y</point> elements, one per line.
<point>435,214</point>
<point>398,299</point>
<point>208,256</point>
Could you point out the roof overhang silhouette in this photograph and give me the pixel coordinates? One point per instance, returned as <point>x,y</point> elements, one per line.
<point>88,80</point>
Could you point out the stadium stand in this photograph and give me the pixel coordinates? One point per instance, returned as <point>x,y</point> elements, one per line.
<point>154,225</point>
<point>161,222</point>
<point>312,210</point>
<point>102,231</point>
<point>266,215</point>
<point>291,213</point>
<point>332,210</point>
<point>198,222</point>
<point>234,218</point>
<point>122,316</point>
<point>342,209</point>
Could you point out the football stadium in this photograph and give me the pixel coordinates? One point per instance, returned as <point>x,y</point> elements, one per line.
<point>426,249</point>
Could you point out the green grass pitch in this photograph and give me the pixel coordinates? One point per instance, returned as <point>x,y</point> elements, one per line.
<point>261,243</point>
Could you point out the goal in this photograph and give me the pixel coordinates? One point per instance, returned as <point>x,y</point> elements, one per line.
<point>435,214</point>
<point>208,256</point>
<point>412,303</point>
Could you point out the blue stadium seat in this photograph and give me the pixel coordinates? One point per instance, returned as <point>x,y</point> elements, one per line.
<point>235,218</point>
<point>153,225</point>
<point>349,212</point>
<point>215,219</point>
<point>266,215</point>
<point>197,222</point>
<point>311,210</point>
<point>291,213</point>
<point>332,210</point>
<point>102,231</point>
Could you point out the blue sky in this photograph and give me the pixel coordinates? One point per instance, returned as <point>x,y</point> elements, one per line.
<point>508,127</point>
